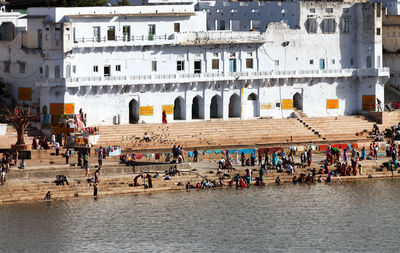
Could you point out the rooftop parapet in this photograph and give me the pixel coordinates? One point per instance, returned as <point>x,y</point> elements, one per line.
<point>191,38</point>
<point>61,14</point>
<point>219,37</point>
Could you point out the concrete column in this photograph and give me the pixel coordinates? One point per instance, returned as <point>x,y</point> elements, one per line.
<point>243,103</point>
<point>225,105</point>
<point>257,61</point>
<point>188,106</point>
<point>206,104</point>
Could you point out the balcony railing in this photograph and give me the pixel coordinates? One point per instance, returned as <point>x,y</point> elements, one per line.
<point>124,40</point>
<point>209,37</point>
<point>211,76</point>
<point>219,37</point>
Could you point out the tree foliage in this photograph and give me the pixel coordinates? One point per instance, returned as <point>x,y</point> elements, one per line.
<point>23,4</point>
<point>75,3</point>
<point>19,118</point>
<point>123,3</point>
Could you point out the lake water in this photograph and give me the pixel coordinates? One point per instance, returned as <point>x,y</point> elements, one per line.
<point>338,217</point>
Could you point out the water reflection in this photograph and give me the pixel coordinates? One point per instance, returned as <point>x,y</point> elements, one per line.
<point>348,216</point>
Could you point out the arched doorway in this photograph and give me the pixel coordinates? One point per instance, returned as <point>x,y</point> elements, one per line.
<point>197,108</point>
<point>7,31</point>
<point>216,107</point>
<point>252,106</point>
<point>298,101</point>
<point>234,106</point>
<point>133,112</point>
<point>179,109</point>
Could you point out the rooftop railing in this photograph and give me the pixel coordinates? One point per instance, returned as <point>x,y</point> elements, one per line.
<point>210,76</point>
<point>126,40</point>
<point>220,37</point>
<point>207,37</point>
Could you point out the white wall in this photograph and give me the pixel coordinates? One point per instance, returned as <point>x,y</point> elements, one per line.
<point>245,12</point>
<point>287,46</point>
<point>3,129</point>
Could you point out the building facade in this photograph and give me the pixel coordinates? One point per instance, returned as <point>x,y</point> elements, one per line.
<point>198,61</point>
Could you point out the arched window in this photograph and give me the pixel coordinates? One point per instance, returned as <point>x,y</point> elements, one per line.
<point>197,108</point>
<point>216,107</point>
<point>179,109</point>
<point>252,96</point>
<point>234,106</point>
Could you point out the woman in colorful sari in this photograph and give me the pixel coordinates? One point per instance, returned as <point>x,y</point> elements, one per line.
<point>274,159</point>
<point>309,157</point>
<point>345,155</point>
<point>164,117</point>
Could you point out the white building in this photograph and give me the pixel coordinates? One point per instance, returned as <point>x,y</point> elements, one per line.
<point>201,60</point>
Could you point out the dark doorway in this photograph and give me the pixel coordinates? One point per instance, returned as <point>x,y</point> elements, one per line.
<point>107,71</point>
<point>298,101</point>
<point>216,107</point>
<point>197,108</point>
<point>234,106</point>
<point>197,67</point>
<point>133,112</point>
<point>179,109</point>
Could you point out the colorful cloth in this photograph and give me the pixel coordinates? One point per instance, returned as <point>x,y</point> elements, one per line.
<point>139,156</point>
<point>270,150</point>
<point>247,151</point>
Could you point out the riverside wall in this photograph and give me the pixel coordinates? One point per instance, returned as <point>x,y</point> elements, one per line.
<point>33,184</point>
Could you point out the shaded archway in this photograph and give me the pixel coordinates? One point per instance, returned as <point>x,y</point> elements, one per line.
<point>234,106</point>
<point>133,112</point>
<point>252,106</point>
<point>216,107</point>
<point>7,31</point>
<point>179,109</point>
<point>197,108</point>
<point>298,101</point>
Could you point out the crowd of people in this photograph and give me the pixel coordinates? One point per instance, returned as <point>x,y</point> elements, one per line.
<point>338,162</point>
<point>41,144</point>
<point>147,176</point>
<point>279,161</point>
<point>178,154</point>
<point>9,160</point>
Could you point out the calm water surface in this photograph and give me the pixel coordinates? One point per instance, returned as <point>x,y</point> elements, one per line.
<point>339,217</point>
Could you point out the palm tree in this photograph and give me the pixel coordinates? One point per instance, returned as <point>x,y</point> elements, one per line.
<point>19,118</point>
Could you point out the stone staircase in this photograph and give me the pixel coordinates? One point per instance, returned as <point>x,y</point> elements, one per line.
<point>340,128</point>
<point>300,113</point>
<point>29,190</point>
<point>390,119</point>
<point>392,95</point>
<point>11,137</point>
<point>79,187</point>
<point>233,133</point>
<point>238,133</point>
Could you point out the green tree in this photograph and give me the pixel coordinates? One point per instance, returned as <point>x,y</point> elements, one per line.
<point>123,3</point>
<point>23,4</point>
<point>75,3</point>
